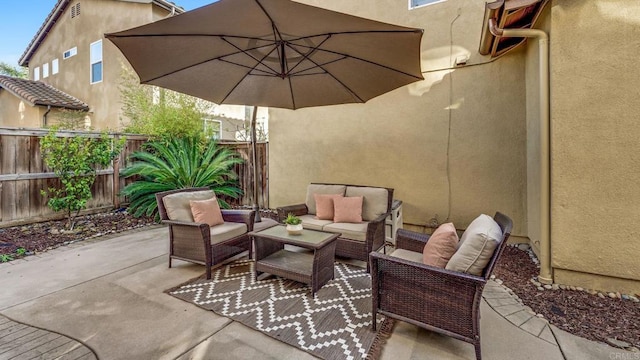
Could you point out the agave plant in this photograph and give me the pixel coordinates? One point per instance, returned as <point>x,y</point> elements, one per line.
<point>179,163</point>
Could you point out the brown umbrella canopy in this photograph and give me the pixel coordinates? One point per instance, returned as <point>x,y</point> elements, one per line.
<point>275,53</point>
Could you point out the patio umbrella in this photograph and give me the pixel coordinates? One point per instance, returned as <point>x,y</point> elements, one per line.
<point>275,53</point>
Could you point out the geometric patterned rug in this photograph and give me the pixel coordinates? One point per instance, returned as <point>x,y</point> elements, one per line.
<point>335,324</point>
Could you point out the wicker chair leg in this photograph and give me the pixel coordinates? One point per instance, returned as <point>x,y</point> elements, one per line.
<point>373,318</point>
<point>208,271</point>
<point>169,262</point>
<point>478,353</point>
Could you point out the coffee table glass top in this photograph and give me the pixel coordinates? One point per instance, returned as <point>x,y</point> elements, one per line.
<point>308,236</point>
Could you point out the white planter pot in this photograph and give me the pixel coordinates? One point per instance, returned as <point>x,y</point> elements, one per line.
<point>294,229</point>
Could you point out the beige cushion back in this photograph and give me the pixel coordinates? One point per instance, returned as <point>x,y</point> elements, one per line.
<point>178,207</point>
<point>476,246</point>
<point>321,189</point>
<point>376,200</point>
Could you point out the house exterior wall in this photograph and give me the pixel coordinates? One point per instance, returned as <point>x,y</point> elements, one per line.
<point>595,148</point>
<point>15,112</point>
<point>96,18</point>
<point>400,140</point>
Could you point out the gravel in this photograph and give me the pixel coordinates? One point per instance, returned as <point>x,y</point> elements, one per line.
<point>591,314</point>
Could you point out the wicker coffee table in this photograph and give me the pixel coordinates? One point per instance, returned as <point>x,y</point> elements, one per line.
<point>313,269</point>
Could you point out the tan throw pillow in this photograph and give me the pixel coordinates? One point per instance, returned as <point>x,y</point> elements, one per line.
<point>206,211</point>
<point>441,246</point>
<point>324,205</point>
<point>347,209</point>
<point>476,246</point>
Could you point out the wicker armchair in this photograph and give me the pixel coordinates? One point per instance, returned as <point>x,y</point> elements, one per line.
<point>436,299</point>
<point>190,241</point>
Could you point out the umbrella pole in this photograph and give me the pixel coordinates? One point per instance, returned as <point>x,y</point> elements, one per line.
<point>254,156</point>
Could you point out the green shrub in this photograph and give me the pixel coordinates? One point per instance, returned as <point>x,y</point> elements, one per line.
<point>176,164</point>
<point>74,160</point>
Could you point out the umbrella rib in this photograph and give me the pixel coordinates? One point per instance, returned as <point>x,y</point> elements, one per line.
<point>246,52</point>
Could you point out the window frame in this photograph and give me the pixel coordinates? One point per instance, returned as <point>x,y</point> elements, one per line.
<point>72,52</point>
<point>55,66</point>
<point>216,135</point>
<point>426,3</point>
<point>36,73</point>
<point>45,70</point>
<point>98,61</point>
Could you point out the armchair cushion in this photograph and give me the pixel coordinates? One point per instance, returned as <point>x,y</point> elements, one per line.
<point>206,211</point>
<point>324,205</point>
<point>348,209</point>
<point>407,255</point>
<point>177,205</point>
<point>349,230</point>
<point>226,231</point>
<point>312,223</point>
<point>375,200</point>
<point>441,246</point>
<point>476,246</point>
<point>321,189</point>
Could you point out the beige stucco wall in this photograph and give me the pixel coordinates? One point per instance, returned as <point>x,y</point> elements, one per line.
<point>97,17</point>
<point>15,112</point>
<point>595,127</point>
<point>400,139</point>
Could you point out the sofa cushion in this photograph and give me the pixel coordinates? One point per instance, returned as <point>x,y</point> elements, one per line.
<point>177,205</point>
<point>349,230</point>
<point>348,209</point>
<point>441,246</point>
<point>376,200</point>
<point>310,222</point>
<point>206,211</point>
<point>324,205</point>
<point>226,231</point>
<point>321,189</point>
<point>476,246</point>
<point>407,255</point>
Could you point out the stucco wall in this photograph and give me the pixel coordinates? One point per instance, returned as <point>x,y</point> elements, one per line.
<point>400,139</point>
<point>96,18</point>
<point>15,112</point>
<point>594,134</point>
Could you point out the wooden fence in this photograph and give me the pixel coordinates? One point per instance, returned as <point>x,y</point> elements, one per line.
<point>23,175</point>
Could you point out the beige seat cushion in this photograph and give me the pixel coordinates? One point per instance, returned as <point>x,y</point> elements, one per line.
<point>226,231</point>
<point>376,200</point>
<point>206,211</point>
<point>321,189</point>
<point>349,230</point>
<point>441,246</point>
<point>476,246</point>
<point>178,207</point>
<point>407,255</point>
<point>310,222</point>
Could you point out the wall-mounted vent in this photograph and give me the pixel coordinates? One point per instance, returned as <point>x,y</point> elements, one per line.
<point>75,10</point>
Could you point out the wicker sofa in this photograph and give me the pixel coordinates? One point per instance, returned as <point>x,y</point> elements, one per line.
<point>434,298</point>
<point>197,242</point>
<point>357,240</point>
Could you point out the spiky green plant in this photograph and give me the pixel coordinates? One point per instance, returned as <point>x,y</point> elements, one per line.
<point>176,164</point>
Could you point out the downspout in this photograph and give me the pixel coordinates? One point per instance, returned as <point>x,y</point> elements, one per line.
<point>546,272</point>
<point>44,117</point>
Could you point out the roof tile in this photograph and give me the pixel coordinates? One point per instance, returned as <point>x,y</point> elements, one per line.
<point>39,93</point>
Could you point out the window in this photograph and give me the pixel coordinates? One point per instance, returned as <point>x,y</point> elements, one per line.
<point>418,3</point>
<point>69,53</point>
<point>54,66</point>
<point>36,73</point>
<point>45,70</point>
<point>96,61</point>
<point>213,128</point>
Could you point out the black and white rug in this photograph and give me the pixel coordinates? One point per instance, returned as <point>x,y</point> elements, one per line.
<point>335,324</point>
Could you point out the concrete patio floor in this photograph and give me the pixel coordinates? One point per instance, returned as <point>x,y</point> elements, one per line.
<point>108,294</point>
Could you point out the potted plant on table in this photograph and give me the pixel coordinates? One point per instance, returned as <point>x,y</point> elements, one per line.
<point>294,224</point>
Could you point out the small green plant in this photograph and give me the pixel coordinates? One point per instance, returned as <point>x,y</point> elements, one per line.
<point>74,160</point>
<point>21,251</point>
<point>292,220</point>
<point>5,258</point>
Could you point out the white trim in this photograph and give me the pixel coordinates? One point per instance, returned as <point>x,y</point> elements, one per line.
<point>36,73</point>
<point>45,70</point>
<point>72,52</point>
<point>55,66</point>
<point>430,2</point>
<point>92,61</point>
